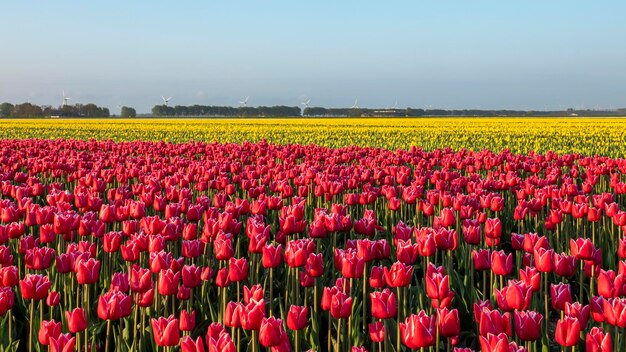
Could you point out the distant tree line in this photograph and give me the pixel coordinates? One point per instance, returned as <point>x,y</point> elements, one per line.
<point>32,110</point>
<point>92,110</point>
<point>213,110</point>
<point>355,112</point>
<point>127,112</point>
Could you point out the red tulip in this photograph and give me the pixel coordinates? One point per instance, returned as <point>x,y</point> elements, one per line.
<point>191,276</point>
<point>376,331</point>
<point>63,343</point>
<point>567,332</point>
<point>578,311</point>
<point>493,228</point>
<point>187,321</point>
<point>352,266</point>
<point>447,217</point>
<point>271,332</point>
<point>384,304</point>
<point>532,277</point>
<point>582,248</point>
<point>238,269</point>
<point>528,325</point>
<point>49,329</point>
<point>76,320</point>
<point>491,321</point>
<point>34,287</point>
<point>39,258</point>
<point>272,256</point>
<point>515,296</point>
<point>297,317</point>
<point>564,265</point>
<point>501,263</point>
<point>53,299</point>
<point>448,322</point>
<point>340,306</point>
<point>559,295</point>
<point>165,331</point>
<point>399,275</point>
<point>140,279</point>
<point>544,260</point>
<point>168,282</point>
<point>87,271</point>
<point>418,330</point>
<point>598,341</point>
<point>188,344</point>
<point>615,311</point>
<point>9,276</point>
<point>113,305</point>
<point>482,259</point>
<point>495,343</point>
<point>253,293</point>
<point>252,315</point>
<point>232,314</point>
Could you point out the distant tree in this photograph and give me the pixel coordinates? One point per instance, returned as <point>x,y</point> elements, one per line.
<point>27,110</point>
<point>128,112</point>
<point>6,109</point>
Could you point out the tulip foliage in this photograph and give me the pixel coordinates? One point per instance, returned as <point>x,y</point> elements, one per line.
<point>153,246</point>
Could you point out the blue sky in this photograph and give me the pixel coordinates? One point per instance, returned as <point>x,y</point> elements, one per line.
<point>487,54</point>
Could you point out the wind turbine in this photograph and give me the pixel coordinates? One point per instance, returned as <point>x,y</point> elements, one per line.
<point>165,100</point>
<point>244,102</point>
<point>65,98</point>
<point>306,103</point>
<point>395,106</point>
<point>355,106</point>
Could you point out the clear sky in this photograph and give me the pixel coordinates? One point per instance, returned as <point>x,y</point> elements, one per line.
<point>455,54</point>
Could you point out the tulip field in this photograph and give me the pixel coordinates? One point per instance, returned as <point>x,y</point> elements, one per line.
<point>342,235</point>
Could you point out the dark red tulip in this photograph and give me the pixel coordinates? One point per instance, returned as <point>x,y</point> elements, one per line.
<point>559,295</point>
<point>528,325</point>
<point>482,259</point>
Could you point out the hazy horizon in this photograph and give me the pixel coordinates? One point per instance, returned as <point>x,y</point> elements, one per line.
<point>487,54</point>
